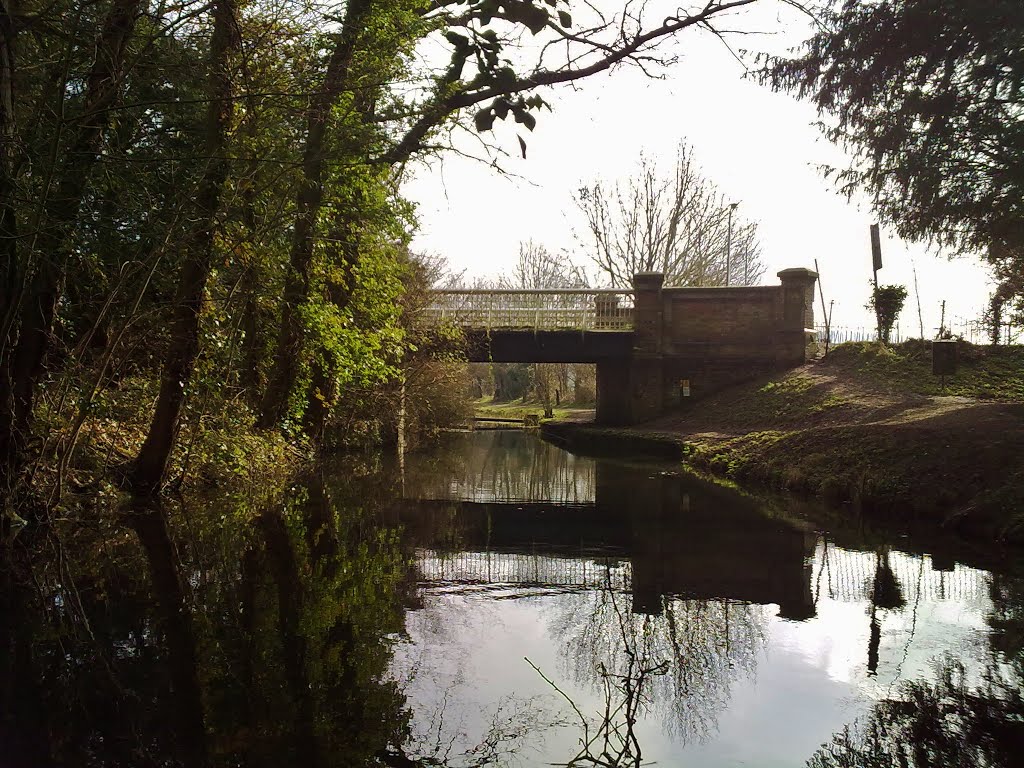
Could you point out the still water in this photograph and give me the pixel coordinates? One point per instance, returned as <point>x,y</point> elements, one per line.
<point>498,601</point>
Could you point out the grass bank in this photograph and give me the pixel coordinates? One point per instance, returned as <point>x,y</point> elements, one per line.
<point>518,409</point>
<point>867,425</point>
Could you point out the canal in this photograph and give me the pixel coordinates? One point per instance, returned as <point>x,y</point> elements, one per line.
<point>498,601</point>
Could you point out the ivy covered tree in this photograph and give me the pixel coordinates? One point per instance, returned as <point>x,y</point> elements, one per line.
<point>928,95</point>
<point>886,302</point>
<point>200,207</point>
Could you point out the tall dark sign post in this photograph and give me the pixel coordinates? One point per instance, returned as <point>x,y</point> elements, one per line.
<point>876,263</point>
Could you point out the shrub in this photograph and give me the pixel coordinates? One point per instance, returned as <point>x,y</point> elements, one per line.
<point>887,302</point>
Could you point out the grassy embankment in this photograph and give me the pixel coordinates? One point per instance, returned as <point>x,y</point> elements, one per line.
<point>517,409</point>
<point>872,426</point>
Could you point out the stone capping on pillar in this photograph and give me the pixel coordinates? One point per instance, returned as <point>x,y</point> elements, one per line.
<point>798,287</point>
<point>794,273</point>
<point>648,281</point>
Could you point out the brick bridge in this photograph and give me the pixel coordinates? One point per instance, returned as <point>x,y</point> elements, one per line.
<point>654,346</point>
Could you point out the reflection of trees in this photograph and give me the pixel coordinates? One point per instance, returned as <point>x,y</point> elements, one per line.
<point>447,732</point>
<point>885,592</point>
<point>706,645</point>
<point>610,740</point>
<point>150,526</point>
<point>222,635</point>
<point>323,605</point>
<point>948,723</point>
<point>498,465</point>
<point>1007,619</point>
<point>954,721</point>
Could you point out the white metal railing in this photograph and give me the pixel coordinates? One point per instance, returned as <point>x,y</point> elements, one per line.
<point>576,309</point>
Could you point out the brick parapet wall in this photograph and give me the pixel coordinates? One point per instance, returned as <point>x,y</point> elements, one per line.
<point>714,337</point>
<point>691,342</point>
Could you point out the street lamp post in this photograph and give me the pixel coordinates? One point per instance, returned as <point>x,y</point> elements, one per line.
<point>728,245</point>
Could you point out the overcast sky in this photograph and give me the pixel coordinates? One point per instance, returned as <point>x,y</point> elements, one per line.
<point>759,147</point>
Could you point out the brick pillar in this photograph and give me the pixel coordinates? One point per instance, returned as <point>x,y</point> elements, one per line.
<point>647,312</point>
<point>632,390</point>
<point>646,368</point>
<point>794,338</point>
<point>613,400</point>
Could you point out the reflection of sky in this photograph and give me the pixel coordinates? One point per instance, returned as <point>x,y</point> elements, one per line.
<point>810,679</point>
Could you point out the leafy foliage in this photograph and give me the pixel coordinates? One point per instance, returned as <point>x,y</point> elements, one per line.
<point>929,96</point>
<point>887,302</point>
<point>208,194</point>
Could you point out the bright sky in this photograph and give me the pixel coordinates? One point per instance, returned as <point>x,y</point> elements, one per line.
<point>759,147</point>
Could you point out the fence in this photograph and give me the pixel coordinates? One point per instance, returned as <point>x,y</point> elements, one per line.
<point>842,334</point>
<point>575,309</point>
<point>973,331</point>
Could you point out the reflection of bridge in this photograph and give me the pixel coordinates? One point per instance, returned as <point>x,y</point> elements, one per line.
<point>488,519</point>
<point>523,569</point>
<point>836,573</point>
<point>650,534</point>
<point>697,542</point>
<point>645,342</point>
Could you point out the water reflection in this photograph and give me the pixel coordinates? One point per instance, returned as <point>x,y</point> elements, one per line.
<point>953,722</point>
<point>350,624</point>
<point>698,647</point>
<point>500,465</point>
<point>964,714</point>
<point>688,539</point>
<point>246,633</point>
<point>660,597</point>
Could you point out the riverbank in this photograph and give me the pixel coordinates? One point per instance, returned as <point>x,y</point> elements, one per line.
<point>487,408</point>
<point>865,426</point>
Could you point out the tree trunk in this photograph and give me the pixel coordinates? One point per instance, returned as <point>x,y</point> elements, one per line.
<point>147,473</point>
<point>254,316</point>
<point>53,245</point>
<point>251,379</point>
<point>308,202</point>
<point>323,387</point>
<point>11,269</point>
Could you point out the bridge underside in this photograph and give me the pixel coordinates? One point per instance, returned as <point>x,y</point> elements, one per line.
<point>523,346</point>
<point>631,386</point>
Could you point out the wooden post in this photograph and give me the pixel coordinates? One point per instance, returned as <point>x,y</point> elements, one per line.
<point>827,317</point>
<point>876,264</point>
<point>917,293</point>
